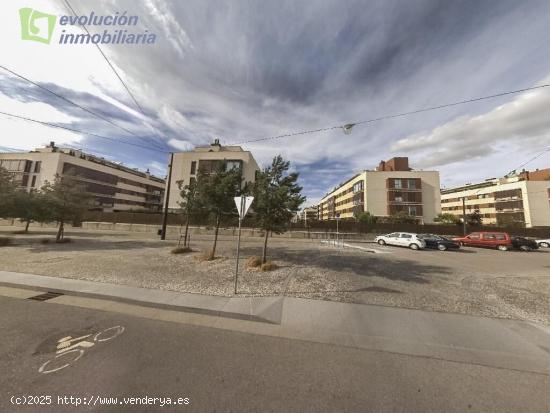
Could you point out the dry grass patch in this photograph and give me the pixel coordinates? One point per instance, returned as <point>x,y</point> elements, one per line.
<point>269,266</point>
<point>181,250</point>
<point>253,262</point>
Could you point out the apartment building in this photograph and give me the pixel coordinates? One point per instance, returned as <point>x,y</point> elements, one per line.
<point>522,199</point>
<point>391,188</point>
<point>209,159</point>
<point>310,213</point>
<point>115,187</point>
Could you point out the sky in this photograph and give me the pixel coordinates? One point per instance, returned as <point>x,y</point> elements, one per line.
<point>243,70</point>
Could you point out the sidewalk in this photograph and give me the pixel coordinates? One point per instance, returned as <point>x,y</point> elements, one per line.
<point>501,343</point>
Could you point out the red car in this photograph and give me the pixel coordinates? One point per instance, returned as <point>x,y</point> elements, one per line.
<point>499,240</point>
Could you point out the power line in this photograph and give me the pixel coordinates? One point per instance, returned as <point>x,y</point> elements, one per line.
<point>396,115</point>
<point>53,125</point>
<point>111,66</point>
<point>71,102</point>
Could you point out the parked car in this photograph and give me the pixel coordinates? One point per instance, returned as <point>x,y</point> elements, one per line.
<point>439,242</point>
<point>499,240</point>
<point>524,244</point>
<point>545,243</point>
<point>401,239</point>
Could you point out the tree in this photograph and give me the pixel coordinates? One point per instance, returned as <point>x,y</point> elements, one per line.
<point>215,193</point>
<point>474,219</point>
<point>8,188</point>
<point>366,218</point>
<point>188,204</point>
<point>446,218</point>
<point>276,198</point>
<point>65,199</point>
<point>30,206</point>
<point>402,217</point>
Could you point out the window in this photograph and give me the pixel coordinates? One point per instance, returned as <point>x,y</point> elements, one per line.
<point>500,237</point>
<point>232,165</point>
<point>394,234</point>
<point>412,184</point>
<point>412,210</point>
<point>33,182</point>
<point>25,180</point>
<point>489,236</point>
<point>358,186</point>
<point>397,183</point>
<point>475,235</point>
<point>193,167</point>
<point>37,165</point>
<point>407,236</point>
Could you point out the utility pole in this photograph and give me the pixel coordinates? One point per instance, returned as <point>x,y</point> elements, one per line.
<point>167,198</point>
<point>464,215</point>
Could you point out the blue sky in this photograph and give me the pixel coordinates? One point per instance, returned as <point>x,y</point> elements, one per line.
<point>241,70</point>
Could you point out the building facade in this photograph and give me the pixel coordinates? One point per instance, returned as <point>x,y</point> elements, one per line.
<point>186,166</point>
<point>115,187</point>
<point>523,199</point>
<point>393,187</point>
<point>310,213</point>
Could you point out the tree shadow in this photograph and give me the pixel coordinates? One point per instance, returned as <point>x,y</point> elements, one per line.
<point>363,265</point>
<point>90,244</point>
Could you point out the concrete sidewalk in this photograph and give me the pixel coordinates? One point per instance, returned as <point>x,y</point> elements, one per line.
<point>501,343</point>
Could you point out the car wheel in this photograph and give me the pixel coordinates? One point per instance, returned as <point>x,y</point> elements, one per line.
<point>413,246</point>
<point>525,248</point>
<point>544,244</point>
<point>441,247</point>
<point>381,242</point>
<point>502,248</point>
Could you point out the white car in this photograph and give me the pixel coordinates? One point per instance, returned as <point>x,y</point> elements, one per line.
<point>544,243</point>
<point>402,239</point>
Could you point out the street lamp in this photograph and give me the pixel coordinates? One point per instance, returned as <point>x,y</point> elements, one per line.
<point>347,128</point>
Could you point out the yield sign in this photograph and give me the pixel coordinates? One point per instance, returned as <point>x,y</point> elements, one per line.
<point>243,203</point>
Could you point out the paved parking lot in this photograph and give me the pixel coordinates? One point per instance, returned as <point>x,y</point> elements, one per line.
<point>483,282</point>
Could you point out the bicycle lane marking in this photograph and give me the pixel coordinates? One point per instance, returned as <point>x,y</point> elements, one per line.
<point>69,346</point>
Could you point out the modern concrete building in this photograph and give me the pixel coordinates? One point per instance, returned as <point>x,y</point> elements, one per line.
<point>208,159</point>
<point>116,187</point>
<point>393,187</point>
<point>523,199</point>
<point>310,213</point>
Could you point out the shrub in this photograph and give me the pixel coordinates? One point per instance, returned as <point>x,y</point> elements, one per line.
<point>5,241</point>
<point>269,266</point>
<point>181,250</point>
<point>45,241</point>
<point>254,262</point>
<point>64,241</point>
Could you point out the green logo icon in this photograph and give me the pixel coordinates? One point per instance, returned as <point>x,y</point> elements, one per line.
<point>36,25</point>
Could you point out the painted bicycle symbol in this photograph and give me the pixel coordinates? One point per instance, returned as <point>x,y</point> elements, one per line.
<point>70,349</point>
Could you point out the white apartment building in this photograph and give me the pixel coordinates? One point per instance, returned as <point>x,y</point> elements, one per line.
<point>115,187</point>
<point>186,166</point>
<point>393,187</point>
<point>523,199</point>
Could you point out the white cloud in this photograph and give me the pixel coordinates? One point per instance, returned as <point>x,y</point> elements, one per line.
<point>181,145</point>
<point>523,123</point>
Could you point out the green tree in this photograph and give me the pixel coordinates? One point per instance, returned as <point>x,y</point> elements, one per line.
<point>215,193</point>
<point>446,218</point>
<point>30,206</point>
<point>189,204</point>
<point>474,219</point>
<point>402,217</point>
<point>276,198</point>
<point>366,218</point>
<point>66,200</point>
<point>8,189</point>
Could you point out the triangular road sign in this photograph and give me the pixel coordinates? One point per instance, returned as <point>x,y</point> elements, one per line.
<point>243,204</point>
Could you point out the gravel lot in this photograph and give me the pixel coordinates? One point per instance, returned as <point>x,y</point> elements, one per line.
<point>472,281</point>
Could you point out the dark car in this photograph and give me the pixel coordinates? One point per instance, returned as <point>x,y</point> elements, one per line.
<point>439,242</point>
<point>524,244</point>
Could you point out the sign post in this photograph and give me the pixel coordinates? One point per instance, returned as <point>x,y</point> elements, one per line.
<point>242,203</point>
<point>337,232</point>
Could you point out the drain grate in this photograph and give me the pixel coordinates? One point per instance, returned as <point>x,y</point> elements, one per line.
<point>46,296</point>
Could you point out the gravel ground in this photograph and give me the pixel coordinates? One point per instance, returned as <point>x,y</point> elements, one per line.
<point>472,281</point>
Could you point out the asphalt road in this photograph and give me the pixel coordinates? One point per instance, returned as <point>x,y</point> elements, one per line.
<point>225,371</point>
